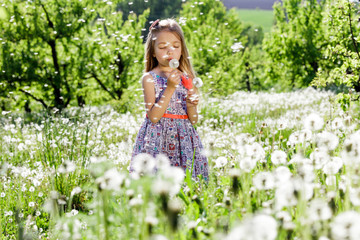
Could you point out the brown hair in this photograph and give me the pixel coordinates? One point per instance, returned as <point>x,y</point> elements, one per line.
<point>172,26</point>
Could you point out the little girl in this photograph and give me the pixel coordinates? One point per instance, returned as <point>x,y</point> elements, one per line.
<point>171,107</point>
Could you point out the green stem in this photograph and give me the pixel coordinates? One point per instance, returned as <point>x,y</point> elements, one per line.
<point>104,201</point>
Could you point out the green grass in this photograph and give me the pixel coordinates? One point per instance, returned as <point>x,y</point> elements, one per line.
<point>263,18</point>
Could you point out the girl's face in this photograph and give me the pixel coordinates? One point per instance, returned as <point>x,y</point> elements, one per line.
<point>167,46</point>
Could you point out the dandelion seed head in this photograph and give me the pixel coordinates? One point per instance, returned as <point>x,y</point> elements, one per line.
<point>144,163</point>
<point>264,181</point>
<point>313,122</point>
<point>247,164</point>
<point>278,157</point>
<point>319,211</point>
<point>327,140</point>
<point>220,162</point>
<point>345,225</point>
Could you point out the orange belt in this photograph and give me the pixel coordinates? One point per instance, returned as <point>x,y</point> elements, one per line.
<point>166,115</point>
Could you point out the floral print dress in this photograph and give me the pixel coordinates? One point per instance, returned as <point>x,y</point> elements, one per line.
<point>176,138</point>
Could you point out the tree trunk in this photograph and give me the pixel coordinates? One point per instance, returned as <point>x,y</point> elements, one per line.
<point>80,100</point>
<point>56,84</point>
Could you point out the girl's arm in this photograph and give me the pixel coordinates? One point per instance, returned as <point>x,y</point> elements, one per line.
<point>192,101</point>
<point>155,110</point>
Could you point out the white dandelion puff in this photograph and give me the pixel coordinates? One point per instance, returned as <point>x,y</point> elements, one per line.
<point>220,162</point>
<point>264,181</point>
<point>198,82</point>
<point>278,157</point>
<point>259,227</point>
<point>327,140</point>
<point>313,122</point>
<point>174,63</point>
<point>319,211</point>
<point>345,225</point>
<point>144,163</point>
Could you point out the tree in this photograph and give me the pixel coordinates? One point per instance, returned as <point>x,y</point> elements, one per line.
<point>159,9</point>
<point>341,20</point>
<point>296,42</point>
<point>217,39</point>
<point>56,51</point>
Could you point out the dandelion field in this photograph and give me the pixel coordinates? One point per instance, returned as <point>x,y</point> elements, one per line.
<point>282,166</point>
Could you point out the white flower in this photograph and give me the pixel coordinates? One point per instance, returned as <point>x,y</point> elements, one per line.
<point>333,166</point>
<point>162,161</point>
<point>313,122</point>
<point>282,125</point>
<point>345,226</point>
<point>31,204</point>
<point>76,190</point>
<point>220,162</point>
<point>9,213</point>
<point>111,180</point>
<point>162,187</point>
<point>73,212</point>
<point>198,82</point>
<point>351,151</point>
<point>2,194</point>
<point>319,211</point>
<point>135,202</point>
<point>175,175</point>
<point>288,192</point>
<point>264,181</point>
<point>306,172</point>
<point>144,163</point>
<point>255,151</point>
<point>295,138</point>
<point>247,164</point>
<point>67,167</point>
<point>282,174</point>
<point>259,227</point>
<point>278,157</point>
<point>337,123</point>
<point>174,63</point>
<point>327,140</point>
<point>355,196</point>
<point>299,159</point>
<point>286,219</point>
<point>330,180</point>
<point>319,158</point>
<point>158,237</point>
<point>153,221</point>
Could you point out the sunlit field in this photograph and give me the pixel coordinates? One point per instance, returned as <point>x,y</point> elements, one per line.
<point>283,166</point>
<point>259,17</point>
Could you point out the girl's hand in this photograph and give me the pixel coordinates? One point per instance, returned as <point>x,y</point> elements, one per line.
<point>174,79</point>
<point>192,99</point>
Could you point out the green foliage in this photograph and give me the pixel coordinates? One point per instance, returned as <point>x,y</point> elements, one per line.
<point>159,9</point>
<point>295,43</point>
<point>216,39</point>
<point>341,21</point>
<point>57,52</point>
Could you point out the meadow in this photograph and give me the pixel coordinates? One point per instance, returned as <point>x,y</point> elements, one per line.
<point>257,17</point>
<point>282,166</point>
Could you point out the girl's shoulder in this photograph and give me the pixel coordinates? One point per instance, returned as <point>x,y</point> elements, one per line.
<point>149,75</point>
